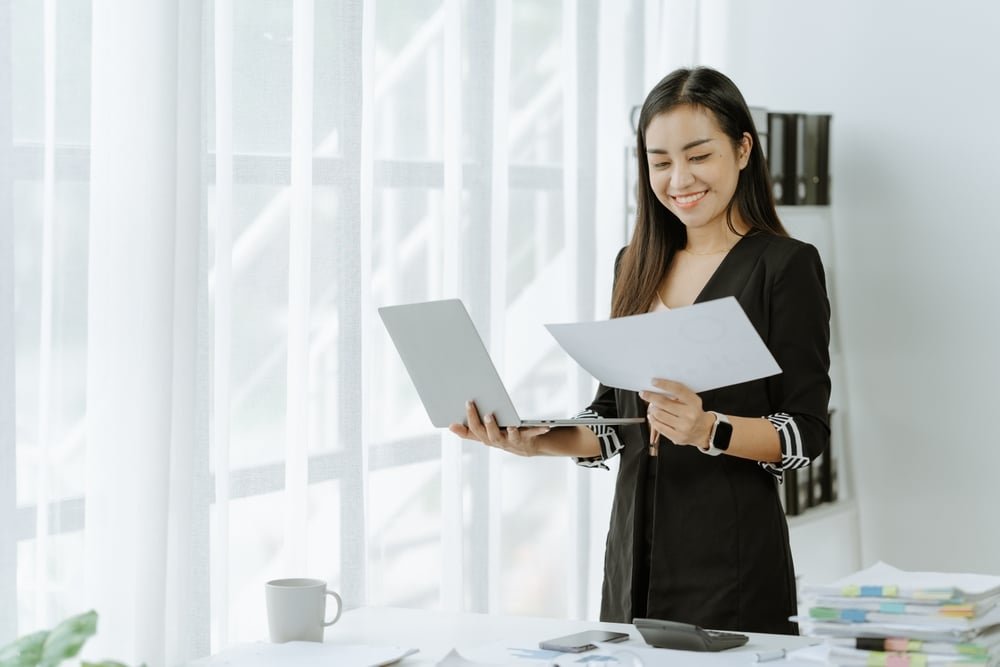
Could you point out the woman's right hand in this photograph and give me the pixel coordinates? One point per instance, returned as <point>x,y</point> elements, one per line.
<point>520,441</point>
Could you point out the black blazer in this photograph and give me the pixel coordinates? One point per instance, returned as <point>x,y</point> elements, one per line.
<point>719,554</point>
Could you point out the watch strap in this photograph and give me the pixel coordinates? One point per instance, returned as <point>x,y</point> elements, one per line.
<point>712,449</point>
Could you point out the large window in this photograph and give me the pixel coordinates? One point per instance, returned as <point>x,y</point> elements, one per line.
<point>440,148</point>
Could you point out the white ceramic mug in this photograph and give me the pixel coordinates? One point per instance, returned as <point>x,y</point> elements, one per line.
<point>296,609</point>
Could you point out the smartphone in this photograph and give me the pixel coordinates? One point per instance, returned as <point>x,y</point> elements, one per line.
<point>582,641</point>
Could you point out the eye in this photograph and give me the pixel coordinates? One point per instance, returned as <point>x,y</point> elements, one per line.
<point>700,158</point>
<point>661,165</point>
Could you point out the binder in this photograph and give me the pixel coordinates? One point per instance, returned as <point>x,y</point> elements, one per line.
<point>799,158</point>
<point>808,487</point>
<point>782,129</point>
<point>759,117</point>
<point>792,507</point>
<point>827,469</point>
<point>814,136</point>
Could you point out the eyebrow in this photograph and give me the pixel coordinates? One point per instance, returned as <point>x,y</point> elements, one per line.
<point>689,145</point>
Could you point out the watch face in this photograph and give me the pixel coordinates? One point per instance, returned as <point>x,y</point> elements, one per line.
<point>723,434</point>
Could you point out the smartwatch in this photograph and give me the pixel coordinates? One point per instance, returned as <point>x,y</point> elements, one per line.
<point>718,439</point>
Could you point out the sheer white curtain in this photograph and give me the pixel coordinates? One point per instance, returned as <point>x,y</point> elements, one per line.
<point>143,215</point>
<point>8,497</point>
<point>202,206</point>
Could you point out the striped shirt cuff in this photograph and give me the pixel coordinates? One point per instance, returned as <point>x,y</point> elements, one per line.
<point>608,440</point>
<point>793,455</point>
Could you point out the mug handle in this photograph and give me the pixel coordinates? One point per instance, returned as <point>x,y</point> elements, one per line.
<point>340,605</point>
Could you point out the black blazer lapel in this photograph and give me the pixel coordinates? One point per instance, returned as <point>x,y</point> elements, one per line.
<point>734,272</point>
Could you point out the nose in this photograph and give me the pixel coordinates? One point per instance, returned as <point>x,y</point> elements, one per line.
<point>680,176</point>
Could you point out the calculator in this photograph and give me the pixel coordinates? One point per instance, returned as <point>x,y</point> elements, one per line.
<point>686,637</point>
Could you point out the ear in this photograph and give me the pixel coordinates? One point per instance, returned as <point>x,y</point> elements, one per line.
<point>743,154</point>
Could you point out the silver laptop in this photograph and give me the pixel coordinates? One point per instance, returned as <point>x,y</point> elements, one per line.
<point>449,365</point>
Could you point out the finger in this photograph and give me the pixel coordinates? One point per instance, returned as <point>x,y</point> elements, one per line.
<point>682,403</point>
<point>676,390</point>
<point>475,424</point>
<point>526,433</point>
<point>465,433</point>
<point>514,440</point>
<point>677,428</point>
<point>655,427</point>
<point>663,401</point>
<point>656,432</point>
<point>492,432</point>
<point>671,433</point>
<point>670,412</point>
<point>676,411</point>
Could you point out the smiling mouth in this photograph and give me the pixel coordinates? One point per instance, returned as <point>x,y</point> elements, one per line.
<point>689,200</point>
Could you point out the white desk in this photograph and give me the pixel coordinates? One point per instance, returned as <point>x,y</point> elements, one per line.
<point>436,633</point>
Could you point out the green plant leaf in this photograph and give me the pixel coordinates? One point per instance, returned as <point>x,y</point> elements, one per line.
<point>25,652</point>
<point>48,648</point>
<point>66,639</point>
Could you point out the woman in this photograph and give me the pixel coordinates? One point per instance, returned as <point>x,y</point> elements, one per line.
<point>697,530</point>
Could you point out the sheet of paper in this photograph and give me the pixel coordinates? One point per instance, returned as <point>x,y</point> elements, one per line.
<point>304,654</point>
<point>705,346</point>
<point>882,574</point>
<point>500,654</point>
<point>456,659</point>
<point>631,653</point>
<point>605,656</point>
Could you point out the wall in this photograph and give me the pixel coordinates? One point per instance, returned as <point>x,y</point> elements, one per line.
<point>913,87</point>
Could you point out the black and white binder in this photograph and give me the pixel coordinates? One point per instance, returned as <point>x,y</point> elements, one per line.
<point>782,143</point>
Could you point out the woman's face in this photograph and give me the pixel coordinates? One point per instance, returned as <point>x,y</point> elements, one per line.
<point>693,165</point>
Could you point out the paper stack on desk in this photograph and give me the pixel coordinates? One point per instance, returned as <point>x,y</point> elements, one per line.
<point>887,616</point>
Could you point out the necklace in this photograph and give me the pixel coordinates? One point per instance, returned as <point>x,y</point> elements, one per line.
<point>705,254</point>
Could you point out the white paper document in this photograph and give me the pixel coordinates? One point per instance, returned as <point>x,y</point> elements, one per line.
<point>969,586</point>
<point>705,346</point>
<point>631,653</point>
<point>304,654</point>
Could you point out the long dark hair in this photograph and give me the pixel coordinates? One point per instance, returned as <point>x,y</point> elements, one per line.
<point>659,233</point>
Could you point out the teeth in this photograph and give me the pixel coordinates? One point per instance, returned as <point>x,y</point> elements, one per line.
<point>687,199</point>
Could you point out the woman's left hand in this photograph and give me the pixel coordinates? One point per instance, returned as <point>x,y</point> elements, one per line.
<point>677,414</point>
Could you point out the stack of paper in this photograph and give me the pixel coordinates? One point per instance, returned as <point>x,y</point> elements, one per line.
<point>887,616</point>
